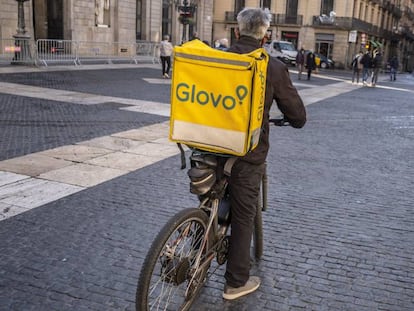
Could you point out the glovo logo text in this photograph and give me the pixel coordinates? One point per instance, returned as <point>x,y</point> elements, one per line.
<point>190,93</point>
<point>262,96</point>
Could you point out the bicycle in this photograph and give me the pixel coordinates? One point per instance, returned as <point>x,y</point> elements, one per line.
<point>176,266</point>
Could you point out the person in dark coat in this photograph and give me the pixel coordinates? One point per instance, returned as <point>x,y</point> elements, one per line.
<point>300,62</point>
<point>310,63</point>
<point>356,67</point>
<point>376,66</point>
<point>366,62</point>
<point>247,171</point>
<point>393,68</point>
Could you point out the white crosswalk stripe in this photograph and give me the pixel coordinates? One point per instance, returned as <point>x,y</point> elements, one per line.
<point>33,180</point>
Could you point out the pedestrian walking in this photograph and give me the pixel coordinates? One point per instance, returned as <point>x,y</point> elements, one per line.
<point>376,66</point>
<point>356,67</point>
<point>166,50</point>
<point>393,68</point>
<point>222,44</point>
<point>310,63</point>
<point>366,67</point>
<point>195,36</point>
<point>300,62</point>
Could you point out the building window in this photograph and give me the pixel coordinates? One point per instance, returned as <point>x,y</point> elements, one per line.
<point>291,11</point>
<point>238,6</point>
<point>166,18</point>
<point>366,13</point>
<point>266,4</point>
<point>324,44</point>
<point>102,13</point>
<point>291,8</point>
<point>233,37</point>
<point>327,6</point>
<point>372,16</point>
<point>139,21</point>
<point>290,36</point>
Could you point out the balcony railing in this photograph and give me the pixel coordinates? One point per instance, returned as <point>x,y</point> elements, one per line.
<point>349,23</point>
<point>409,13</point>
<point>280,19</point>
<point>283,19</point>
<point>406,31</point>
<point>396,11</point>
<point>345,23</point>
<point>231,17</point>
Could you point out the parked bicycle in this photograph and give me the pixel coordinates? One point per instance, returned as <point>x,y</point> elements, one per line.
<point>178,262</point>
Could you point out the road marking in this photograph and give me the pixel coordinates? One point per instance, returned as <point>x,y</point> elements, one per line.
<point>20,193</point>
<point>33,180</point>
<point>83,98</point>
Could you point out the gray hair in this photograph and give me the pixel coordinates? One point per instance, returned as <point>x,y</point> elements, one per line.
<point>254,22</point>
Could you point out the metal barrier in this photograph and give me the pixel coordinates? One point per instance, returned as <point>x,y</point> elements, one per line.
<point>94,52</point>
<point>123,51</point>
<point>147,51</point>
<point>17,51</point>
<point>56,51</point>
<point>46,52</point>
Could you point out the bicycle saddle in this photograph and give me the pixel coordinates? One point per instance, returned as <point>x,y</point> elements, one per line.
<point>203,185</point>
<point>206,160</point>
<point>202,173</point>
<point>198,174</point>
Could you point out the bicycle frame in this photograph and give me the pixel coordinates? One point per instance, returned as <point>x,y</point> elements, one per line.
<point>178,262</point>
<point>210,205</point>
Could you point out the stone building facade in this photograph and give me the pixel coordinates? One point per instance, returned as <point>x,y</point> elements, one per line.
<point>108,20</point>
<point>335,28</point>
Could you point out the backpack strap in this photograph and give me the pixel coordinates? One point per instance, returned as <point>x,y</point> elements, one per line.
<point>229,165</point>
<point>183,162</point>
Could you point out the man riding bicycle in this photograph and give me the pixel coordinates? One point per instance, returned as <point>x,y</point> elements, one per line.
<point>247,171</point>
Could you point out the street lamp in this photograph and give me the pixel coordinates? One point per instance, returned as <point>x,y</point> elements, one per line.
<point>185,17</point>
<point>21,42</point>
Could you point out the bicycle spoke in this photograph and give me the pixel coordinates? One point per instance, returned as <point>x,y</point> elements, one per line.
<point>175,278</point>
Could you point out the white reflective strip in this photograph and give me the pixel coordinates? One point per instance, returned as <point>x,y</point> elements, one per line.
<point>187,132</point>
<point>213,59</point>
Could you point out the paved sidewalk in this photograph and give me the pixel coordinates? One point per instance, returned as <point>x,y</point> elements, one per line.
<point>338,230</point>
<point>38,178</point>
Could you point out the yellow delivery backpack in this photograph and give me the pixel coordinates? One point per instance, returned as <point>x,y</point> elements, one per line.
<point>217,98</point>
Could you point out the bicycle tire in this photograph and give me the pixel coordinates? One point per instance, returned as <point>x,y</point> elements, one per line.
<point>171,271</point>
<point>258,231</point>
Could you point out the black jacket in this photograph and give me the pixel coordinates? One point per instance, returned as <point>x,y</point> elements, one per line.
<point>278,87</point>
<point>310,61</point>
<point>366,61</point>
<point>377,61</point>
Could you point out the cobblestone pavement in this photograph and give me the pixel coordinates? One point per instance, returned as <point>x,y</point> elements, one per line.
<point>339,229</point>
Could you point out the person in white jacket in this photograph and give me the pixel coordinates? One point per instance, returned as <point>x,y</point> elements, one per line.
<point>166,50</point>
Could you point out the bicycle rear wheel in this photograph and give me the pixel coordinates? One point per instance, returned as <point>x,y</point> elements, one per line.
<point>169,279</point>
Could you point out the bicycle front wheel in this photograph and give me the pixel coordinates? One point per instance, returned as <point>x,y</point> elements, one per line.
<point>170,278</point>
